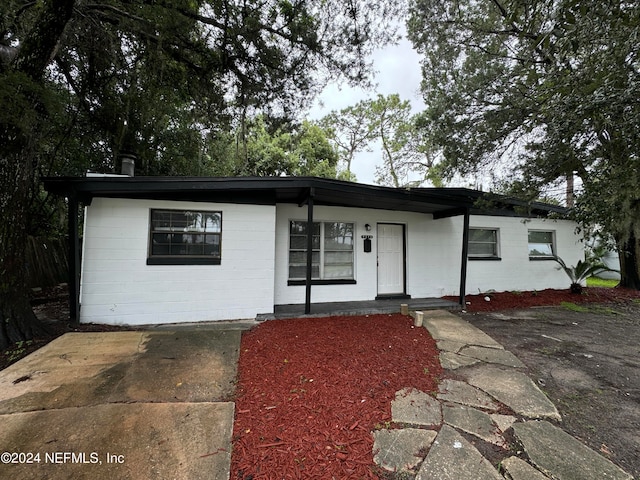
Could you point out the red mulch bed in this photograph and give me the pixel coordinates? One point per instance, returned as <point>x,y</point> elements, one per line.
<point>510,300</point>
<point>311,391</point>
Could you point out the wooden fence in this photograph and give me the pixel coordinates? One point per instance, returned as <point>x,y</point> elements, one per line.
<point>47,263</point>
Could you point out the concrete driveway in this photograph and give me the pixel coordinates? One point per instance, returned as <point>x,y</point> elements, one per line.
<point>125,405</point>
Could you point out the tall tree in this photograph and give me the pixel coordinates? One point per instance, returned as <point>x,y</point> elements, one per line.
<point>23,109</point>
<point>350,131</point>
<point>404,150</point>
<point>138,75</point>
<point>550,87</point>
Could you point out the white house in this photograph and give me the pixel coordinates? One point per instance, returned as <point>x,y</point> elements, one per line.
<point>177,249</point>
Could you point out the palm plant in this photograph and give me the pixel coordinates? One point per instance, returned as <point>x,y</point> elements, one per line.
<point>583,270</point>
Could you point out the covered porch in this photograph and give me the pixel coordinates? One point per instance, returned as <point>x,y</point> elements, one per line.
<point>366,307</point>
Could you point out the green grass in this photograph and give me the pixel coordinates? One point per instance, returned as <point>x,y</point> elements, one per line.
<point>601,282</point>
<point>574,307</point>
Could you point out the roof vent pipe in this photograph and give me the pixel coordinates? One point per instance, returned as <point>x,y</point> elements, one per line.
<point>128,164</point>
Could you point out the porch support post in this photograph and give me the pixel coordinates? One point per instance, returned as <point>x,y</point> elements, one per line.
<point>74,259</point>
<point>465,253</point>
<point>307,297</point>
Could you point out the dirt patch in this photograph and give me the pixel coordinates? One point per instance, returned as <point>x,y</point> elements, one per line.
<point>585,356</point>
<point>51,306</point>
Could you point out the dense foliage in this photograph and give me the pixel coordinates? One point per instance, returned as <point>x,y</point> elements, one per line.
<point>548,88</point>
<point>82,82</point>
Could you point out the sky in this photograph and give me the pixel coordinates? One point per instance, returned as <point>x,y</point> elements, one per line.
<point>397,71</point>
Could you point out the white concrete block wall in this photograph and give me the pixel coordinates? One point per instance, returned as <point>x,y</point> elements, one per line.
<point>515,271</point>
<point>431,253</point>
<point>118,287</point>
<point>434,250</point>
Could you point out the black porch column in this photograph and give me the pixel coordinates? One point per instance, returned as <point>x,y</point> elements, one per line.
<point>74,259</point>
<point>307,297</point>
<point>465,253</point>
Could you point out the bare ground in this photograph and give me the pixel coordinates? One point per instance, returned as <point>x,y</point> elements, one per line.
<point>586,358</point>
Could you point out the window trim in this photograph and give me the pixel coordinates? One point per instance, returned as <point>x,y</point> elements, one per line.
<point>493,257</point>
<point>182,259</point>
<point>554,246</point>
<point>321,252</point>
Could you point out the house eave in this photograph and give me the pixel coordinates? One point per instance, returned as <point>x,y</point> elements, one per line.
<point>441,202</point>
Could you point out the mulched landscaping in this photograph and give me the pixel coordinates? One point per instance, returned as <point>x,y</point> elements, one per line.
<point>311,390</point>
<point>496,301</point>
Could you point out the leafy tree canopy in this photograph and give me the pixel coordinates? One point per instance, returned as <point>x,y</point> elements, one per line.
<point>549,87</point>
<point>82,82</point>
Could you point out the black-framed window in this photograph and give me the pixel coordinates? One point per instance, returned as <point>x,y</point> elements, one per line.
<point>542,245</point>
<point>185,237</point>
<point>333,251</point>
<point>484,243</point>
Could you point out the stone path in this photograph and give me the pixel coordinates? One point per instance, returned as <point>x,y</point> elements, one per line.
<point>439,434</point>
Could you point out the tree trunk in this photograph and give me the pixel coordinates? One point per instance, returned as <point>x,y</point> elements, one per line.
<point>19,153</point>
<point>629,252</point>
<point>17,321</point>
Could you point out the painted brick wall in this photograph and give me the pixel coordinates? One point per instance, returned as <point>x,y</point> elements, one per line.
<point>118,287</point>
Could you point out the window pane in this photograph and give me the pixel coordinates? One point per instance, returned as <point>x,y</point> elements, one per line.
<point>212,245</point>
<point>541,244</point>
<point>482,235</point>
<point>300,228</point>
<point>188,237</point>
<point>540,249</point>
<point>300,272</point>
<point>338,236</point>
<point>160,244</point>
<point>212,222</point>
<point>300,242</point>
<point>301,258</point>
<point>331,258</point>
<point>540,237</point>
<point>482,249</point>
<point>483,242</point>
<point>338,272</point>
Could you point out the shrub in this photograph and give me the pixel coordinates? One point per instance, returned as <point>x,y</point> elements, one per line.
<point>583,270</point>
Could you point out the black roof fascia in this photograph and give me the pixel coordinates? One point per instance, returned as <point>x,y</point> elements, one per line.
<point>271,190</point>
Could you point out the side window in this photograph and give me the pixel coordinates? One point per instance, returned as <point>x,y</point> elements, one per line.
<point>483,243</point>
<point>541,244</point>
<point>185,237</point>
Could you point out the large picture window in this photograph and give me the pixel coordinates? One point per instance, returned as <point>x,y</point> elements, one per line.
<point>541,245</point>
<point>332,257</point>
<point>185,237</point>
<point>483,244</point>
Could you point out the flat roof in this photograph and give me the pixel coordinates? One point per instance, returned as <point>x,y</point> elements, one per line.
<point>441,202</point>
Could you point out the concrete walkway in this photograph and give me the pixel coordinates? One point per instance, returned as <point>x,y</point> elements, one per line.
<point>490,396</point>
<point>121,405</point>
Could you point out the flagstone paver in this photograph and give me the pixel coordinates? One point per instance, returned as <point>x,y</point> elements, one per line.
<point>472,421</point>
<point>451,457</point>
<point>517,469</point>
<point>399,450</point>
<point>464,394</point>
<point>415,407</point>
<point>515,390</point>
<point>492,355</point>
<point>493,377</point>
<point>563,457</point>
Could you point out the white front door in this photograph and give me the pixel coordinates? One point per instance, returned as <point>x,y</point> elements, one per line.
<point>390,259</point>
